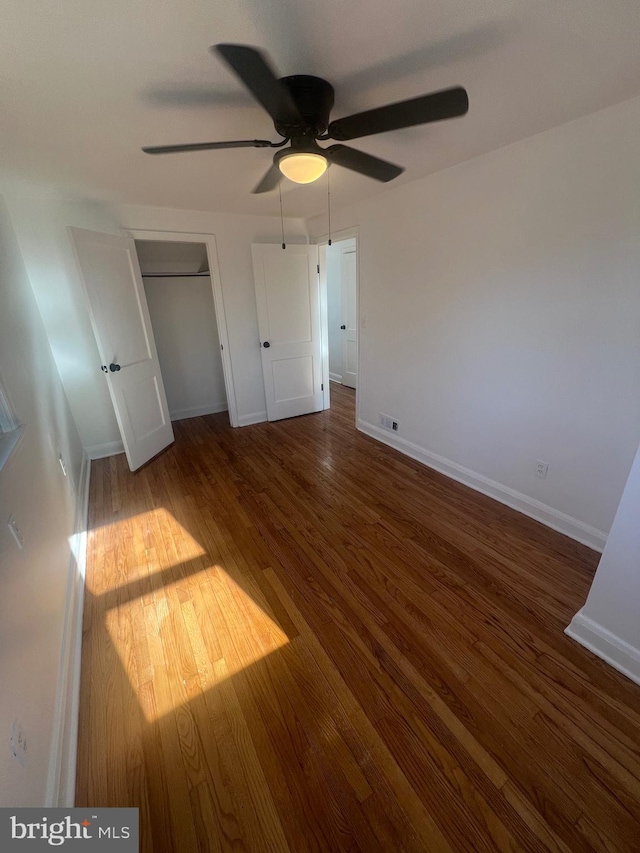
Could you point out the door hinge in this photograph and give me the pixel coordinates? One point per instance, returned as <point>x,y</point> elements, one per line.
<point>221,347</point>
<point>318,266</point>
<point>322,387</point>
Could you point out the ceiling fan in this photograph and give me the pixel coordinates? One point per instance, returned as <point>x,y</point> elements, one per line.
<point>300,107</point>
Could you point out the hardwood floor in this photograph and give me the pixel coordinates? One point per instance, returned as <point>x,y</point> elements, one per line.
<point>297,639</point>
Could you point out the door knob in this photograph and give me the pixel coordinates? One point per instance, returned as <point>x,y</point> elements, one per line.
<point>266,344</point>
<point>114,367</point>
<point>343,327</point>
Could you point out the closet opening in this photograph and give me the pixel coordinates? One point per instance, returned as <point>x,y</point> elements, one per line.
<point>178,286</point>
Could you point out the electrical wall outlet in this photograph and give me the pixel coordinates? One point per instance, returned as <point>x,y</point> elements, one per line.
<point>541,469</point>
<point>388,422</point>
<point>18,743</point>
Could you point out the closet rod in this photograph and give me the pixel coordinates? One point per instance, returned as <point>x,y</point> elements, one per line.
<point>174,274</point>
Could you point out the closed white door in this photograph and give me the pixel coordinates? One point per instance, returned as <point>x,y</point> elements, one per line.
<point>109,268</point>
<point>288,301</point>
<point>350,320</point>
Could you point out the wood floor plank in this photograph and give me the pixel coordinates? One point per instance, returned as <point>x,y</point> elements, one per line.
<point>224,701</point>
<point>296,639</point>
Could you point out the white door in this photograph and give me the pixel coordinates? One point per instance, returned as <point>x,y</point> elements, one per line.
<point>109,268</point>
<point>350,321</point>
<point>288,300</point>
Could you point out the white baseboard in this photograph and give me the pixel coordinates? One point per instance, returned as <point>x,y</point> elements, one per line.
<point>618,653</point>
<point>198,411</point>
<point>335,377</point>
<point>253,418</point>
<point>543,513</point>
<point>100,451</point>
<point>61,780</point>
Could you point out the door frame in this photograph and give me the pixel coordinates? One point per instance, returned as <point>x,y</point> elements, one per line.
<point>209,241</point>
<point>352,232</point>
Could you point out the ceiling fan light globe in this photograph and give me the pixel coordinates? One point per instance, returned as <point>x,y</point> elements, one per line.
<point>302,167</point>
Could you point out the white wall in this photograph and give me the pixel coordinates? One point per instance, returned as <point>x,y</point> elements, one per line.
<point>234,236</point>
<point>500,317</point>
<point>186,335</point>
<point>34,581</point>
<point>609,623</point>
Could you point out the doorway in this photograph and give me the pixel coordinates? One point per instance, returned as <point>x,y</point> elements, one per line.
<point>167,253</point>
<point>109,269</point>
<point>342,312</point>
<point>339,263</point>
<point>177,284</point>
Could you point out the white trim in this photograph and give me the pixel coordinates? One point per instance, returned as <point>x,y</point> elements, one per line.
<point>335,377</point>
<point>218,301</point>
<point>61,779</point>
<point>198,411</point>
<point>253,418</point>
<point>100,451</point>
<point>617,652</point>
<point>543,513</point>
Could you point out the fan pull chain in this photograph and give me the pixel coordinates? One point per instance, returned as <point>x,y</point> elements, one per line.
<point>329,201</point>
<point>284,245</point>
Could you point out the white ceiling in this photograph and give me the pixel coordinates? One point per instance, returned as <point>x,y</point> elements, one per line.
<point>86,83</point>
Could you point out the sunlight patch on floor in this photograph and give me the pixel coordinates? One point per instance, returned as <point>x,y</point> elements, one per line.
<point>147,543</point>
<point>178,621</point>
<point>164,649</point>
<point>189,629</point>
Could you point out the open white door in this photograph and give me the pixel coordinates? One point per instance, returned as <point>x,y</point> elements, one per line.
<point>288,300</point>
<point>109,268</point>
<point>350,333</point>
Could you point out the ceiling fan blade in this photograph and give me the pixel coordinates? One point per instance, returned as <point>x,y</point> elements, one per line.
<point>208,146</point>
<point>358,161</point>
<point>252,68</point>
<point>434,107</point>
<point>270,181</point>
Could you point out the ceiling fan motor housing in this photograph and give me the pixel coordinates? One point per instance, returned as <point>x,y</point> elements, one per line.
<point>314,98</point>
